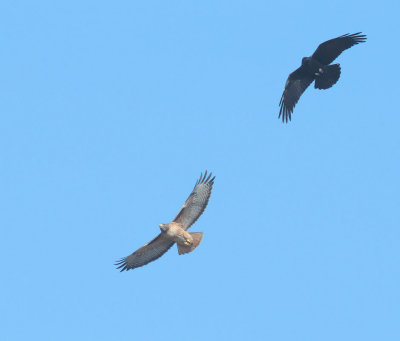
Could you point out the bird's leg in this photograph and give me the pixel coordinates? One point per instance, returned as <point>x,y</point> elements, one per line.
<point>319,72</point>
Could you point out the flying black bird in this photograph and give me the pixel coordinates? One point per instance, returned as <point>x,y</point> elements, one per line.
<point>316,68</point>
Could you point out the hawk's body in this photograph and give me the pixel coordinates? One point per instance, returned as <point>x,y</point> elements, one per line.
<point>185,241</point>
<point>175,231</point>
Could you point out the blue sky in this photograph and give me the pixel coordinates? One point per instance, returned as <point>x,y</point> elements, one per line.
<point>110,111</point>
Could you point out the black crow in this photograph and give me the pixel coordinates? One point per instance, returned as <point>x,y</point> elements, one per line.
<point>316,68</point>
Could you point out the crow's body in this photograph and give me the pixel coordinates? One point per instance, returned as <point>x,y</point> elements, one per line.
<point>316,68</point>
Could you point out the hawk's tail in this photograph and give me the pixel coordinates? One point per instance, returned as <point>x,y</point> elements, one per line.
<point>182,249</point>
<point>330,75</point>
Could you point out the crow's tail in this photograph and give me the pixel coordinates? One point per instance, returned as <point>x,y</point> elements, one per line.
<point>327,76</point>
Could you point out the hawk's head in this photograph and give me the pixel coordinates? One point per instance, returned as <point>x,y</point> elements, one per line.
<point>164,227</point>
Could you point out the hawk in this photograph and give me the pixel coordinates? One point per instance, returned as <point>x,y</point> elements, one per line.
<point>316,68</point>
<point>175,231</point>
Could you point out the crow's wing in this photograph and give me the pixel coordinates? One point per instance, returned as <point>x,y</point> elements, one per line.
<point>197,201</point>
<point>328,51</point>
<point>146,254</point>
<point>296,84</point>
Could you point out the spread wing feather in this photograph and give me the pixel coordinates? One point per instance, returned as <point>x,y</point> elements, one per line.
<point>197,201</point>
<point>328,51</point>
<point>297,82</point>
<point>190,212</point>
<point>146,254</point>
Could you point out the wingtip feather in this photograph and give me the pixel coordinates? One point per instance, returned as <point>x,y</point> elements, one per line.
<point>204,179</point>
<point>122,264</point>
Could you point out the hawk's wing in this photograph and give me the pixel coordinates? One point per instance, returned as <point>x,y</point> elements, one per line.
<point>296,84</point>
<point>197,201</point>
<point>328,51</point>
<point>146,254</point>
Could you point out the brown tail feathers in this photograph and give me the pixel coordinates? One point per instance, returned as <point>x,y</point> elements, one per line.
<point>182,249</point>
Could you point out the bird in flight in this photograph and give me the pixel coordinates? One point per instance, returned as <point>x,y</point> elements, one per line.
<point>175,231</point>
<point>316,68</point>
